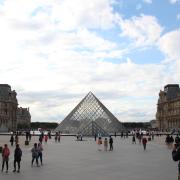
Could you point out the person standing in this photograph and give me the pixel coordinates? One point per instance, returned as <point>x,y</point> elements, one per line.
<point>133,139</point>
<point>27,135</point>
<point>40,154</point>
<point>30,135</point>
<point>16,138</point>
<point>176,156</point>
<point>144,142</point>
<point>110,143</point>
<point>95,137</point>
<point>5,157</point>
<point>59,137</point>
<point>99,143</point>
<point>56,137</point>
<point>40,138</point>
<point>105,144</point>
<point>12,140</point>
<point>34,151</point>
<point>46,138</point>
<point>17,157</point>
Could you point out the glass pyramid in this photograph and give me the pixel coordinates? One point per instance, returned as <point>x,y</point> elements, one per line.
<point>90,117</point>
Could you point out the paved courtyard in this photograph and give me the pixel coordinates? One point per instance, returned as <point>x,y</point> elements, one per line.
<point>75,160</point>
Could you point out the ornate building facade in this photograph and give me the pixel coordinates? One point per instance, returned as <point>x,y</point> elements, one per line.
<point>23,117</point>
<point>168,107</point>
<point>8,108</point>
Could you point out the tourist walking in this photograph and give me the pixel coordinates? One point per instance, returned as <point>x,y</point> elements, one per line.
<point>176,156</point>
<point>133,139</point>
<point>105,144</point>
<point>46,138</point>
<point>12,140</point>
<point>40,154</point>
<point>59,137</point>
<point>16,138</point>
<point>34,151</point>
<point>95,136</point>
<point>110,143</point>
<point>40,138</point>
<point>17,157</point>
<point>144,142</point>
<point>56,137</point>
<point>30,135</point>
<point>5,157</point>
<point>99,142</point>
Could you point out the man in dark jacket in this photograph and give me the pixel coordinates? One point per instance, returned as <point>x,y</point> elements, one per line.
<point>110,143</point>
<point>17,157</point>
<point>176,155</point>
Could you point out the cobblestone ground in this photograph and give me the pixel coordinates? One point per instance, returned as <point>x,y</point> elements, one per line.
<point>75,160</point>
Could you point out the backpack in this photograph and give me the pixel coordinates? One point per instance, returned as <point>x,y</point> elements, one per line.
<point>18,152</point>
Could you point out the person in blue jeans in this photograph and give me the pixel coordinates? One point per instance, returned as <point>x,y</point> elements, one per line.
<point>34,151</point>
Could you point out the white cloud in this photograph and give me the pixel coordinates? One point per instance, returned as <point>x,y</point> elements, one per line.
<point>170,43</point>
<point>178,16</point>
<point>174,1</point>
<point>148,1</point>
<point>51,56</point>
<point>144,30</point>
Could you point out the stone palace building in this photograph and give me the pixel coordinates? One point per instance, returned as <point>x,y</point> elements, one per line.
<point>10,114</point>
<point>168,107</point>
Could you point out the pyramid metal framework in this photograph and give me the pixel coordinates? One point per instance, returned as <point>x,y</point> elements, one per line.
<point>90,117</point>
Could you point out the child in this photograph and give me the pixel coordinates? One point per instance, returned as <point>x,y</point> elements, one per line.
<point>105,144</point>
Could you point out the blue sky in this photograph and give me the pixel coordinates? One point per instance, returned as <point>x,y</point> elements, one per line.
<point>124,51</point>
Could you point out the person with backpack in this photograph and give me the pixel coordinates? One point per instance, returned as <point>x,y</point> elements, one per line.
<point>5,157</point>
<point>17,157</point>
<point>34,151</point>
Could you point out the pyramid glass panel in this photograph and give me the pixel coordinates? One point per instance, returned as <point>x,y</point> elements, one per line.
<point>90,110</point>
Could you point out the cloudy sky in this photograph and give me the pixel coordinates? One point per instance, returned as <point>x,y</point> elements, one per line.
<point>53,52</point>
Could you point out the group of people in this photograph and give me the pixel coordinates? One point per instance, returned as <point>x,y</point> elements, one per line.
<point>100,142</point>
<point>142,139</point>
<point>14,139</point>
<point>37,154</point>
<point>17,158</point>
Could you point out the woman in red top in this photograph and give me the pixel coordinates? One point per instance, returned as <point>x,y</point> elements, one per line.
<point>5,157</point>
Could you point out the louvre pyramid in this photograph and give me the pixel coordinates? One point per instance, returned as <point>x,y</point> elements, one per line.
<point>90,117</point>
